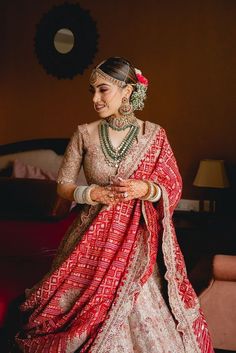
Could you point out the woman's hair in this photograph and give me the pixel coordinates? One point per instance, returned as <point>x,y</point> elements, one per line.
<point>121,72</point>
<point>120,69</point>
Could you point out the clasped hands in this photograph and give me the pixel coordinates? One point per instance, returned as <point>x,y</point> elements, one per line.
<point>119,190</point>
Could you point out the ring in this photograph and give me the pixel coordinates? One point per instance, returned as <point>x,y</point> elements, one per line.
<point>125,194</point>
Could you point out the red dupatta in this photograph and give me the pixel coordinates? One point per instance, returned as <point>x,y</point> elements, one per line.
<point>84,300</point>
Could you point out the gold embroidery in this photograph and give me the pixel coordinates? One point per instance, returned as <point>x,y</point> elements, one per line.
<point>82,151</point>
<point>72,160</point>
<point>75,342</point>
<point>67,299</point>
<point>185,316</point>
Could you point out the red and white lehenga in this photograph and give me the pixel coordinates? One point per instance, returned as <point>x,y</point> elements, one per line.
<point>104,293</point>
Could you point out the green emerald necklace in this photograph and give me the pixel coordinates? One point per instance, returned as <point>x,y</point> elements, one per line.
<point>114,155</point>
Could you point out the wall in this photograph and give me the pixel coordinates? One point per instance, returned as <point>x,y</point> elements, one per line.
<point>185,48</point>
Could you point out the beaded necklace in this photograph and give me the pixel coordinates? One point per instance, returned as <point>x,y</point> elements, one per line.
<point>122,122</point>
<point>114,155</point>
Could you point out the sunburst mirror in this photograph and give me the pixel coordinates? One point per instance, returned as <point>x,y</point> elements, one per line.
<point>66,40</point>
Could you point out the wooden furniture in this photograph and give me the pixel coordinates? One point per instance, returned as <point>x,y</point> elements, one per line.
<point>204,234</point>
<point>208,242</point>
<point>29,238</point>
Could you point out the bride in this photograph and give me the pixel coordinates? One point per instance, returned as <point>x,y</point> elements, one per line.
<point>118,282</point>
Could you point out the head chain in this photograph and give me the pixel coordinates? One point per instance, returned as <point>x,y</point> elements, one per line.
<point>138,95</point>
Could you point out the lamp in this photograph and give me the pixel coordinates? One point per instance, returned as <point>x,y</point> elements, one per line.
<point>211,174</point>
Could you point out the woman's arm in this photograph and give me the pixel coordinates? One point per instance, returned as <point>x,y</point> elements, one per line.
<point>69,170</point>
<point>66,190</point>
<point>70,167</point>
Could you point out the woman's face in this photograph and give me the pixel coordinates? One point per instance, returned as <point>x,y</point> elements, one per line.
<point>107,97</point>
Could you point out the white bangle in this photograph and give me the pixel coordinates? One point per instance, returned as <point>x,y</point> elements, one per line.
<point>87,192</point>
<point>79,194</point>
<point>157,195</point>
<point>150,191</point>
<point>154,192</point>
<point>82,194</point>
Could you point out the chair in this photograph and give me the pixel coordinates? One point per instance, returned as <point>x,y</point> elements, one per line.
<point>218,300</point>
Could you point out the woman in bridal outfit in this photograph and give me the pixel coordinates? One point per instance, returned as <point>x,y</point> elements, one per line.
<point>118,283</point>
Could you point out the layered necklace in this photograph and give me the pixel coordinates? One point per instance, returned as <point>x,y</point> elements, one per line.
<point>114,155</point>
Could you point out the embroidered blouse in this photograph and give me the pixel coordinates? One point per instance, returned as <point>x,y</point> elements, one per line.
<point>81,151</point>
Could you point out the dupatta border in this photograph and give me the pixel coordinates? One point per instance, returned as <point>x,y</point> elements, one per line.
<point>184,316</point>
<point>129,165</point>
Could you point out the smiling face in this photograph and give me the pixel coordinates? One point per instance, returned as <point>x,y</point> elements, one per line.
<point>107,97</point>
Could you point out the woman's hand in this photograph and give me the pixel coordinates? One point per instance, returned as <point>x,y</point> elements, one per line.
<point>104,195</point>
<point>119,190</point>
<point>128,189</point>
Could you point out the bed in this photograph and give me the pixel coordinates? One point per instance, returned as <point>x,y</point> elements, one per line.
<point>33,220</point>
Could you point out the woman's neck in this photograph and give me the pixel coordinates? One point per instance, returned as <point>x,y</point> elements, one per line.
<point>121,122</point>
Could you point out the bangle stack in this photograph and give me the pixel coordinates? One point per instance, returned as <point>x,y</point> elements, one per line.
<point>154,192</point>
<point>82,194</point>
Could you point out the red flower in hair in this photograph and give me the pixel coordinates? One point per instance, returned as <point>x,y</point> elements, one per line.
<point>141,79</point>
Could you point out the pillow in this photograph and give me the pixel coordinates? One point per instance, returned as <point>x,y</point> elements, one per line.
<point>23,170</point>
<point>44,159</point>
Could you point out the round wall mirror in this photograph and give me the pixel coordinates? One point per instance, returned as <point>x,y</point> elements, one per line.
<point>66,40</point>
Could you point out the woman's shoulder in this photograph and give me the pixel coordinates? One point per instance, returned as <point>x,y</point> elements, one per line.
<point>156,127</point>
<point>157,132</point>
<point>88,127</point>
<point>86,132</point>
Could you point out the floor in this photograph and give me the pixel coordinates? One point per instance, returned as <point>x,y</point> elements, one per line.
<point>223,351</point>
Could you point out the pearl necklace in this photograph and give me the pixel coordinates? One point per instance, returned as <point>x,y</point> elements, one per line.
<point>113,156</point>
<point>122,122</point>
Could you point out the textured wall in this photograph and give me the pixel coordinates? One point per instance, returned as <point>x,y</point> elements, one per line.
<point>185,48</point>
